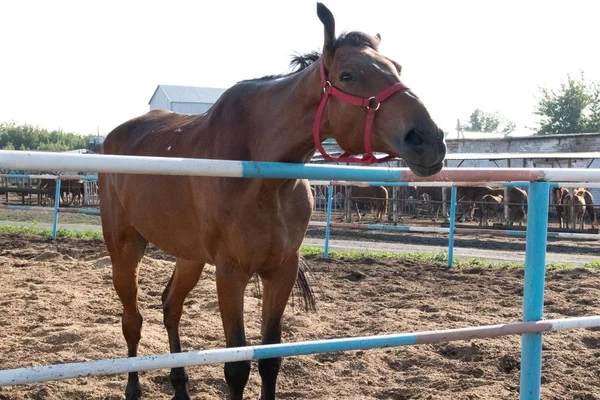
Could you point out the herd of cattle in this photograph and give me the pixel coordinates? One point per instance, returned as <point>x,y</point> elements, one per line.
<point>507,205</point>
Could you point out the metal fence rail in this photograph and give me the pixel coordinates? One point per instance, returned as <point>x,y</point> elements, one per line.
<point>533,296</point>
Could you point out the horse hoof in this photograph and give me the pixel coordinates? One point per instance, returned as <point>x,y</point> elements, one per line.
<point>133,392</point>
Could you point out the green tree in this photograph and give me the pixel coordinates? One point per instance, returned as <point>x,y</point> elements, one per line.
<point>29,137</point>
<point>592,113</point>
<point>481,121</point>
<point>573,108</point>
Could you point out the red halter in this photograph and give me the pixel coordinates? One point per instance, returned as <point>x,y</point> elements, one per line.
<point>371,104</point>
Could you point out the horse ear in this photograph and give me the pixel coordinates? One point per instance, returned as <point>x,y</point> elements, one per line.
<point>378,36</point>
<point>328,21</point>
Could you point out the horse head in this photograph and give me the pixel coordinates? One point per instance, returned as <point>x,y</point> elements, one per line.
<point>558,195</point>
<point>400,124</point>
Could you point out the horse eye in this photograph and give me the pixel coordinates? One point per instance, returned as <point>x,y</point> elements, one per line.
<point>346,77</point>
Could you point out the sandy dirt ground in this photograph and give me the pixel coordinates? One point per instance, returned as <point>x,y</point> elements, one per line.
<point>58,306</point>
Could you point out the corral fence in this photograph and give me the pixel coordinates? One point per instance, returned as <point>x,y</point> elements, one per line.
<point>453,204</point>
<point>341,203</point>
<point>28,189</point>
<point>534,278</point>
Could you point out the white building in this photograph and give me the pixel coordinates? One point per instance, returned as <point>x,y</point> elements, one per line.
<point>184,99</point>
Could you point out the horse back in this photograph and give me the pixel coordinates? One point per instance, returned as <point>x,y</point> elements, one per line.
<point>157,133</point>
<point>199,218</point>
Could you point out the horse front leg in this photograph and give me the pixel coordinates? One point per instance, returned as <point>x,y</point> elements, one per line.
<point>277,286</point>
<point>357,212</point>
<point>231,284</point>
<point>184,279</point>
<point>126,248</point>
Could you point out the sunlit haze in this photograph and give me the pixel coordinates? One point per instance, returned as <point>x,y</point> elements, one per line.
<point>89,66</point>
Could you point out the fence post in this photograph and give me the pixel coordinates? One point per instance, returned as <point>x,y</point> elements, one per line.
<point>395,206</point>
<point>328,223</point>
<point>506,205</point>
<point>451,226</point>
<point>444,204</point>
<point>572,218</point>
<point>533,291</point>
<point>347,205</point>
<point>56,204</point>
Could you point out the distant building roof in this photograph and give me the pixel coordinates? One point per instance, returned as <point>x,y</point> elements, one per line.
<point>189,94</point>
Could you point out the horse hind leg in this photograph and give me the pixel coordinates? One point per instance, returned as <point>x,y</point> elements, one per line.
<point>277,287</point>
<point>126,250</point>
<point>184,279</point>
<point>357,211</point>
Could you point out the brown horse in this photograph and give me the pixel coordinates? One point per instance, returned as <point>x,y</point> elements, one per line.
<point>559,195</point>
<point>490,206</point>
<point>569,209</point>
<point>375,196</point>
<point>517,200</point>
<point>249,226</point>
<point>67,187</point>
<point>575,210</point>
<point>589,205</point>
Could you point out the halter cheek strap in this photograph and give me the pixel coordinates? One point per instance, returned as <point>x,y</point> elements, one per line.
<point>371,104</point>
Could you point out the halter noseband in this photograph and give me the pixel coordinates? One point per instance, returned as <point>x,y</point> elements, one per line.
<point>372,104</point>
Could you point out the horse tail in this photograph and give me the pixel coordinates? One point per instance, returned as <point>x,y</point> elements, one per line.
<point>303,285</point>
<point>589,206</point>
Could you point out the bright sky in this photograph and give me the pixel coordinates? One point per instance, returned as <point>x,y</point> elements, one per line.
<point>83,66</point>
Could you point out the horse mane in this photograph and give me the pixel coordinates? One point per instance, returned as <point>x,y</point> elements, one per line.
<point>300,61</point>
<point>354,38</point>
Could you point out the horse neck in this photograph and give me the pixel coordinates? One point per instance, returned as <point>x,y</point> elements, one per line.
<point>278,116</point>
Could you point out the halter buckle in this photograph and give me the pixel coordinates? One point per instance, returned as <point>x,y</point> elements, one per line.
<point>373,104</point>
<point>327,87</point>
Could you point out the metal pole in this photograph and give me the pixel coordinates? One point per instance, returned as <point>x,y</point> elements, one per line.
<point>533,293</point>
<point>506,189</point>
<point>328,223</point>
<point>21,376</point>
<point>444,204</point>
<point>347,205</point>
<point>56,204</point>
<point>572,217</point>
<point>451,227</point>
<point>396,199</point>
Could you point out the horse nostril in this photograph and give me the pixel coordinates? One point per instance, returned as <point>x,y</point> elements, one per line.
<point>413,138</point>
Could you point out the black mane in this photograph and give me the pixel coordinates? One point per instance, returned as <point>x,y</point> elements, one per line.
<point>300,62</point>
<point>354,38</point>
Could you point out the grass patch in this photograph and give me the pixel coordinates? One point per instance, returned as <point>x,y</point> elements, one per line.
<point>47,233</point>
<point>432,258</point>
<point>592,264</point>
<point>312,251</point>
